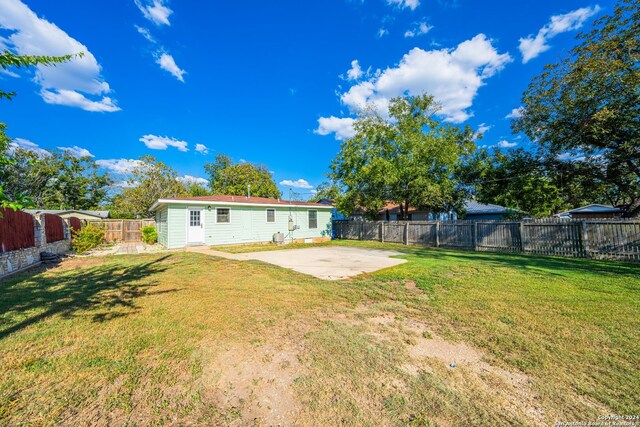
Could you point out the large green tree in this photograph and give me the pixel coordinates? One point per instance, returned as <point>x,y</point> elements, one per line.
<point>588,104</point>
<point>227,177</point>
<point>53,180</point>
<point>10,60</point>
<point>515,180</point>
<point>410,158</point>
<point>327,190</point>
<point>149,181</point>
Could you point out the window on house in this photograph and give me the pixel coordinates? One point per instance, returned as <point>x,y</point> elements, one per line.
<point>194,218</point>
<point>271,215</point>
<point>223,215</point>
<point>313,219</point>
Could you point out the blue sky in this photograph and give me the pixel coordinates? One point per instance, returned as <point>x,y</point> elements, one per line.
<point>271,83</point>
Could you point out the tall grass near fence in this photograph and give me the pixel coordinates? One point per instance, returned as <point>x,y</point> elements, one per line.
<point>16,230</point>
<point>601,239</point>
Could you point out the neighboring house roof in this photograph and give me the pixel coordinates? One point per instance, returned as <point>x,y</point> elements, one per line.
<point>97,214</point>
<point>236,200</point>
<point>326,201</point>
<point>471,207</point>
<point>476,208</point>
<point>592,208</point>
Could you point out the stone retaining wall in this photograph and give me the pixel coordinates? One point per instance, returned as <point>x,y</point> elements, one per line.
<point>14,261</point>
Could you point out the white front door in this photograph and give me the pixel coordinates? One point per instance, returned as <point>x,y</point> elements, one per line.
<point>195,225</point>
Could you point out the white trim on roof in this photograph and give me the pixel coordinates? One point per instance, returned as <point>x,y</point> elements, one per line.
<point>160,202</point>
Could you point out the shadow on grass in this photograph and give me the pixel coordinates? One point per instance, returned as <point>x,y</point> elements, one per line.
<point>107,288</point>
<point>551,265</point>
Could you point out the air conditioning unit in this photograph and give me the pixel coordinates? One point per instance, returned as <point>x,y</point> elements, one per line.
<point>278,238</point>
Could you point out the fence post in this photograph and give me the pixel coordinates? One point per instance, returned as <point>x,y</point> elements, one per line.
<point>406,233</point>
<point>585,240</point>
<point>361,230</point>
<point>122,230</point>
<point>437,234</point>
<point>475,235</point>
<point>382,232</point>
<point>522,243</point>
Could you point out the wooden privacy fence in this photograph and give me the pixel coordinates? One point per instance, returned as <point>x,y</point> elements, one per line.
<point>54,228</point>
<point>601,239</point>
<point>17,230</point>
<point>124,230</point>
<point>75,223</point>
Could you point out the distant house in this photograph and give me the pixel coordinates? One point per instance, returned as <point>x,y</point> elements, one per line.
<point>226,220</point>
<point>481,211</point>
<point>335,215</point>
<point>473,211</point>
<point>66,213</point>
<point>592,211</point>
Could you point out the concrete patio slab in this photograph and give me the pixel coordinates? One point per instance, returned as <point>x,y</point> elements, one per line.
<point>327,263</point>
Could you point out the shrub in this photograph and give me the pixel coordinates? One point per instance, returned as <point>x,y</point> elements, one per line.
<point>88,237</point>
<point>149,234</point>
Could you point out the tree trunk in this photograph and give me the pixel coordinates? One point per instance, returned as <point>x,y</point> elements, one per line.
<point>633,211</point>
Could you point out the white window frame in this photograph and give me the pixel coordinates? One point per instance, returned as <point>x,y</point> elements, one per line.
<point>266,214</point>
<point>309,219</point>
<point>223,207</point>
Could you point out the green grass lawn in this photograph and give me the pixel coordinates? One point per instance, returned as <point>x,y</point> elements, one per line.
<point>183,338</point>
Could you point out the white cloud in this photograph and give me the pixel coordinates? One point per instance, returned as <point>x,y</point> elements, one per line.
<point>146,34</point>
<point>484,128</point>
<point>155,11</point>
<point>76,151</point>
<point>167,63</point>
<point>124,184</point>
<point>452,76</point>
<point>516,113</point>
<point>163,142</point>
<point>163,59</point>
<point>25,144</point>
<point>72,98</point>
<point>355,72</point>
<point>201,148</point>
<point>342,127</point>
<point>411,4</point>
<point>419,29</point>
<point>189,179</point>
<point>382,32</point>
<point>7,72</point>
<point>242,161</point>
<point>531,46</point>
<point>119,166</point>
<point>301,183</point>
<point>506,144</point>
<point>65,84</point>
<point>575,157</point>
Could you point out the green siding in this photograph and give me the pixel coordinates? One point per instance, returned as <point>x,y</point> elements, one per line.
<point>248,224</point>
<point>161,225</point>
<point>177,230</point>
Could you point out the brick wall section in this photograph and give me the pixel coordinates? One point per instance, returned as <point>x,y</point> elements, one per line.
<point>13,261</point>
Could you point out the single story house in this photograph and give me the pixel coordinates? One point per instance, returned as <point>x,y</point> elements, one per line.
<point>592,211</point>
<point>67,213</point>
<point>474,211</point>
<point>228,220</point>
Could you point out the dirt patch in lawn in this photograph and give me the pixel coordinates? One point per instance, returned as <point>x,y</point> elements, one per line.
<point>252,383</point>
<point>428,352</point>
